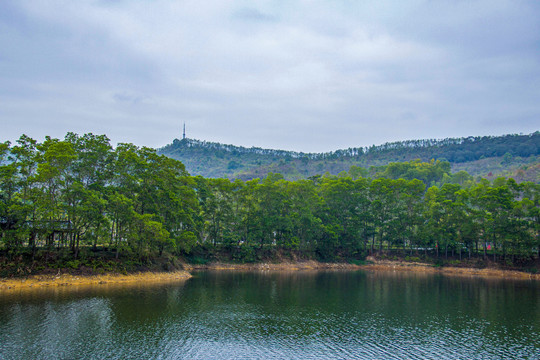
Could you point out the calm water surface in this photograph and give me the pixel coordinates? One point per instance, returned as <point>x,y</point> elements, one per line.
<point>298,315</point>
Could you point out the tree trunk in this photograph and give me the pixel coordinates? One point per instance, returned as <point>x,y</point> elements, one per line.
<point>77,246</point>
<point>112,234</point>
<point>494,249</point>
<point>34,245</point>
<point>72,241</point>
<point>117,242</point>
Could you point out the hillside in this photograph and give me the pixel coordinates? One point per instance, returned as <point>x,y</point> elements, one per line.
<point>486,156</point>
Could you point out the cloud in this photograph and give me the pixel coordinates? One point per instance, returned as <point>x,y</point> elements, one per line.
<point>128,98</point>
<point>300,75</point>
<point>251,14</point>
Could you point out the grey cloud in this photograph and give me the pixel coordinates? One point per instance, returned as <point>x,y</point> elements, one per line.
<point>129,98</point>
<point>306,76</point>
<point>251,14</point>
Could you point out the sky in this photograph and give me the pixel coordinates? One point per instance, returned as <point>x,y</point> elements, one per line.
<point>299,75</point>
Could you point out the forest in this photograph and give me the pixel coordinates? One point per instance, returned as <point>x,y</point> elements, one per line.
<point>514,156</point>
<point>80,195</point>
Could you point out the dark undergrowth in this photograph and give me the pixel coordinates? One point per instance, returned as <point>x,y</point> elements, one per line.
<point>103,260</point>
<point>202,255</point>
<point>89,262</point>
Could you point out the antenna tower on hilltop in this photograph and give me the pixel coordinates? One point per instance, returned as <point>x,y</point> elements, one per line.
<point>184,134</point>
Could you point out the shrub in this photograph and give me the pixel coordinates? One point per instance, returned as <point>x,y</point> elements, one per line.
<point>73,264</point>
<point>197,260</point>
<point>412,259</point>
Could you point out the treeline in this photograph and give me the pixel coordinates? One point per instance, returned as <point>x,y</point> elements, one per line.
<point>459,150</point>
<point>506,153</point>
<point>451,149</point>
<point>329,217</point>
<point>80,191</point>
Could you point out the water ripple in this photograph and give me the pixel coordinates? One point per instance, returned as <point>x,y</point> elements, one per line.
<point>329,316</point>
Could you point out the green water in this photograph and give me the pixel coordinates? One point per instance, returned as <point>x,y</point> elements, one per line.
<point>293,315</point>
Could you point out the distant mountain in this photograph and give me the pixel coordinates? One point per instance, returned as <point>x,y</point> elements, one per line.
<point>486,156</point>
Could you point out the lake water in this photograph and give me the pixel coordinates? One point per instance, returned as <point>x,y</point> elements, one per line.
<point>278,315</point>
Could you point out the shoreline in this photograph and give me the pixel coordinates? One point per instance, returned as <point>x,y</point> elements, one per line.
<point>60,280</point>
<point>376,265</point>
<point>385,265</point>
<point>40,281</point>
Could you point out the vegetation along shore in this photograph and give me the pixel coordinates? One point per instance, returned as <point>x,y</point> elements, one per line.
<point>152,277</point>
<point>80,206</point>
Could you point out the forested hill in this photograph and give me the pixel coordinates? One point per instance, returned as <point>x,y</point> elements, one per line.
<point>487,156</point>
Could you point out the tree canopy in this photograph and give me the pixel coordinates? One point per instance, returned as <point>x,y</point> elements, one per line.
<point>82,192</point>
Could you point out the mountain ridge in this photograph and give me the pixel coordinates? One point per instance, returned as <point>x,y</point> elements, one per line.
<point>479,155</point>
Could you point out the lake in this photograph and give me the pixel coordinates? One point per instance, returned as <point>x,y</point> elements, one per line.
<point>278,315</point>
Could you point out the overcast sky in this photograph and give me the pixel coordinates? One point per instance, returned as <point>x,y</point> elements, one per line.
<point>296,75</point>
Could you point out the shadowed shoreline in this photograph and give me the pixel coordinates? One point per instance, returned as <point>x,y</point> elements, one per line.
<point>37,281</point>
